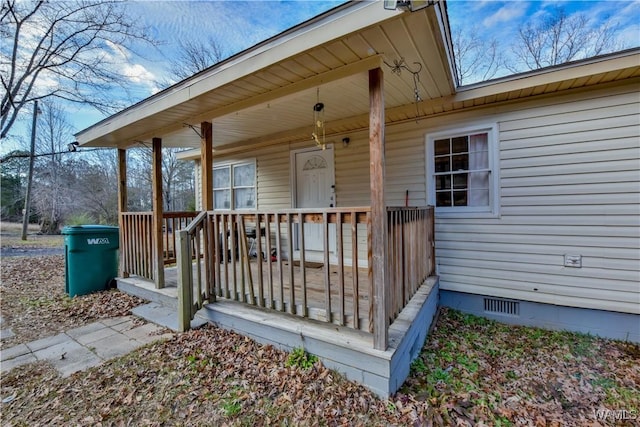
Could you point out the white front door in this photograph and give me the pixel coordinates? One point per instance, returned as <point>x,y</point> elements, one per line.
<point>315,189</point>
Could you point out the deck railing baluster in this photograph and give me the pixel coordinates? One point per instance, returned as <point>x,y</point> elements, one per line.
<point>303,268</point>
<point>326,267</point>
<point>292,299</point>
<point>220,241</point>
<point>279,259</point>
<point>354,271</point>
<point>267,232</point>
<point>340,255</point>
<point>259,258</point>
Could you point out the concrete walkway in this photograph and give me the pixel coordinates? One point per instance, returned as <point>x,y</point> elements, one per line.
<point>84,347</point>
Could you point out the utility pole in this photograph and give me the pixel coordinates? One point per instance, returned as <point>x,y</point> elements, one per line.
<point>27,199</point>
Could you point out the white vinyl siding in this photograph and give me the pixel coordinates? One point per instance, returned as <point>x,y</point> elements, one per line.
<point>405,169</point>
<point>570,184</point>
<point>274,190</point>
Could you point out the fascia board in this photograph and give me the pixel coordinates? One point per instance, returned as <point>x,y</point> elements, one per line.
<point>557,74</point>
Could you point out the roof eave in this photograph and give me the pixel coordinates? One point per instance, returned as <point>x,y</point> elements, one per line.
<point>581,68</point>
<point>321,29</point>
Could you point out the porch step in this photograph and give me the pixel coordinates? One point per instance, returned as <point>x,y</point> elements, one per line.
<point>146,290</point>
<point>164,316</point>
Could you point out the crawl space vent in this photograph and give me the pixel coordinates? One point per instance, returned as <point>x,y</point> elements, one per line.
<point>501,306</point>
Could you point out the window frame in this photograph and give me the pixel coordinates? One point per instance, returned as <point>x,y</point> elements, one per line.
<point>232,187</point>
<point>492,210</point>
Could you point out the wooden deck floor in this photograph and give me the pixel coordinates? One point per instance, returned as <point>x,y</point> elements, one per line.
<point>310,283</point>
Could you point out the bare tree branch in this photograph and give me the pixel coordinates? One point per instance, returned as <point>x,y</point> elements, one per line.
<point>193,56</point>
<point>561,38</point>
<point>476,59</point>
<point>61,49</point>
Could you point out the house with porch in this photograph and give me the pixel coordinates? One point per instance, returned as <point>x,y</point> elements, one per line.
<point>348,186</point>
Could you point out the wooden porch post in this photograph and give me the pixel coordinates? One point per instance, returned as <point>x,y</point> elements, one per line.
<point>378,210</point>
<point>206,165</point>
<point>122,205</point>
<point>158,259</point>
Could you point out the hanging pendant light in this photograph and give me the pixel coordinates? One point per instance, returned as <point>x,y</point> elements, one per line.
<point>318,134</point>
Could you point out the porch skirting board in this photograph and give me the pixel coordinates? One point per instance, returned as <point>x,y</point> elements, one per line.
<point>605,324</point>
<point>348,351</point>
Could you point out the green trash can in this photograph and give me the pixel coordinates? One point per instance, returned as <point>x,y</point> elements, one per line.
<point>91,258</point>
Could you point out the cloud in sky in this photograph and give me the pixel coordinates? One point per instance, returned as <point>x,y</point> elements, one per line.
<point>509,12</point>
<point>235,25</point>
<point>239,25</point>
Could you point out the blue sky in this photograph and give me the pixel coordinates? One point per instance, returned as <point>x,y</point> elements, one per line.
<point>241,24</point>
<point>503,18</point>
<point>238,25</point>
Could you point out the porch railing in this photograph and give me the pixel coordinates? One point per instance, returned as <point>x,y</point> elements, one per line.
<point>411,253</point>
<point>265,259</point>
<point>136,244</point>
<point>136,249</point>
<point>262,259</point>
<point>171,223</point>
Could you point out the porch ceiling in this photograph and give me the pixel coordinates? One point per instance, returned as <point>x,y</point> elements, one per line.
<point>268,92</point>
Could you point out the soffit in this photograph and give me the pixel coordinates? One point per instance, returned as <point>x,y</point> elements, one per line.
<point>276,100</point>
<point>580,74</point>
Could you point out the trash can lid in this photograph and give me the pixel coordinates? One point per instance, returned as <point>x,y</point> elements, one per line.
<point>82,229</point>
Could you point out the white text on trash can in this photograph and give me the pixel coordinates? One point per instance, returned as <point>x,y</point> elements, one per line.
<point>99,241</point>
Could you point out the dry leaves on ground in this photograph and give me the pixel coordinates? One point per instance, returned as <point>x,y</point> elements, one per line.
<point>473,370</point>
<point>34,304</point>
<point>203,377</point>
<point>470,372</point>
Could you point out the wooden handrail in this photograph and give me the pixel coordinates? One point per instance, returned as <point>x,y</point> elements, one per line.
<point>217,259</point>
<point>136,250</point>
<point>188,249</point>
<point>195,222</point>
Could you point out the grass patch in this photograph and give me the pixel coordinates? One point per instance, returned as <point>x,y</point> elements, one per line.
<point>231,405</point>
<point>11,233</point>
<point>478,370</point>
<point>300,358</point>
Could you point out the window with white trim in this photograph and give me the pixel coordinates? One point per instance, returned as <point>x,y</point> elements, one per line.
<point>462,170</point>
<point>234,186</point>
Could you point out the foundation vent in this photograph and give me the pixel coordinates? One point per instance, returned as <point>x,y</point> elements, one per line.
<point>501,306</point>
